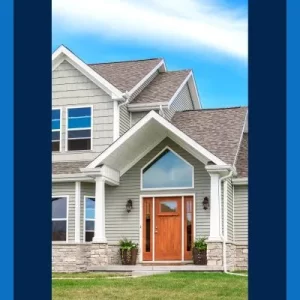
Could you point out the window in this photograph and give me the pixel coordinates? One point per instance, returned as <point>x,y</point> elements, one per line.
<point>79,124</point>
<point>89,218</point>
<point>59,218</point>
<point>56,129</point>
<point>167,171</point>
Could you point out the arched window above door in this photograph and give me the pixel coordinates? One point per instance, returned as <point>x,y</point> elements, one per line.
<point>167,170</point>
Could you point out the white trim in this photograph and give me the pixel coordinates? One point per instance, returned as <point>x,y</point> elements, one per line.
<point>194,92</point>
<point>137,107</point>
<point>63,219</point>
<point>179,89</point>
<point>225,201</point>
<point>161,64</point>
<point>60,128</point>
<point>240,181</point>
<point>74,129</point>
<point>77,211</point>
<point>182,227</point>
<point>153,115</point>
<point>84,219</point>
<point>166,188</point>
<point>116,121</point>
<point>62,53</point>
<point>70,177</point>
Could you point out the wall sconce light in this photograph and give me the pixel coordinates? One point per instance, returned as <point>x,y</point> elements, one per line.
<point>205,203</point>
<point>129,205</point>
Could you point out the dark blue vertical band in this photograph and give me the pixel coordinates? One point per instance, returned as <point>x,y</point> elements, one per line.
<point>6,149</point>
<point>267,149</point>
<point>293,149</point>
<point>32,145</point>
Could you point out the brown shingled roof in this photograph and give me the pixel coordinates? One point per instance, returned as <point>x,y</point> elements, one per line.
<point>242,159</point>
<point>162,87</point>
<point>68,167</point>
<point>125,75</point>
<point>217,130</point>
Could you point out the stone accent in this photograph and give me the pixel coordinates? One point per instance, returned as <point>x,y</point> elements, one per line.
<point>241,257</point>
<point>230,256</point>
<point>113,254</point>
<point>214,254</point>
<point>98,256</point>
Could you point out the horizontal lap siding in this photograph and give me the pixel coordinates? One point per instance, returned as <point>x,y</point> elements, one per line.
<point>120,224</point>
<point>229,210</point>
<point>67,189</point>
<point>71,88</point>
<point>124,119</point>
<point>241,213</point>
<point>136,116</point>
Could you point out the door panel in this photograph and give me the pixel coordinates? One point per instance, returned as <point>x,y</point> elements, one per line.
<point>168,228</point>
<point>147,228</point>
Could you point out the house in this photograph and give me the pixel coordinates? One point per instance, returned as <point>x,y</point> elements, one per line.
<point>136,156</point>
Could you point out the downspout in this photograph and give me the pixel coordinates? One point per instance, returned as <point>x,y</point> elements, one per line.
<point>221,234</point>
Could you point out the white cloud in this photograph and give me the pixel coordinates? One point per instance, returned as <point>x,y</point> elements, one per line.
<point>196,25</point>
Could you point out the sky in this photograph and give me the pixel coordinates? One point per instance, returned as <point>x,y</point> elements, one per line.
<point>208,36</point>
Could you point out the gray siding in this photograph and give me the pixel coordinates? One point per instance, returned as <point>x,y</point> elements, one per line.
<point>124,119</point>
<point>67,189</point>
<point>241,213</point>
<point>71,88</point>
<point>229,210</point>
<point>182,102</point>
<point>136,116</point>
<point>121,224</point>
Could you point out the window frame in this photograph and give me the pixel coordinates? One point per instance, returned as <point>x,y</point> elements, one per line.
<point>166,188</point>
<point>62,219</point>
<point>87,128</point>
<point>60,128</point>
<point>84,218</point>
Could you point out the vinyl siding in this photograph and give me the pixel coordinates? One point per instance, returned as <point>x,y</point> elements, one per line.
<point>136,116</point>
<point>67,189</point>
<point>71,88</point>
<point>229,210</point>
<point>182,102</point>
<point>121,224</point>
<point>241,213</point>
<point>124,119</point>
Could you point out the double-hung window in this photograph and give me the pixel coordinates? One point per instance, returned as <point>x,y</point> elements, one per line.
<point>89,218</point>
<point>79,128</point>
<point>59,218</point>
<point>56,129</point>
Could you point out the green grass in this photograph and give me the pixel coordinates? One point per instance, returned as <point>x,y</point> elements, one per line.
<point>210,286</point>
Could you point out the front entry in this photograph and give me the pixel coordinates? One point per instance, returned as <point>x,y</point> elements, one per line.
<point>167,228</point>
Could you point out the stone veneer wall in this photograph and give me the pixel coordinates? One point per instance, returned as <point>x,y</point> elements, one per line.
<point>241,257</point>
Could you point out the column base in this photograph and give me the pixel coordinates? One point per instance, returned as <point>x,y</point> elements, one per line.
<point>99,240</point>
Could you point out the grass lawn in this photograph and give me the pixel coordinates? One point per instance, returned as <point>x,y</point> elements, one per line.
<point>210,286</point>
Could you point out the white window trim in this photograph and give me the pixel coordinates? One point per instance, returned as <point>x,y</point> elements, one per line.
<point>67,128</point>
<point>63,219</point>
<point>166,188</point>
<point>60,128</point>
<point>84,219</point>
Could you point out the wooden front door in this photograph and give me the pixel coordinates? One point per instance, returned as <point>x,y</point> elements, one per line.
<point>168,228</point>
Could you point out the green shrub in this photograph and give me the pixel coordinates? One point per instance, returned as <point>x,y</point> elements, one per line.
<point>126,244</point>
<point>200,244</point>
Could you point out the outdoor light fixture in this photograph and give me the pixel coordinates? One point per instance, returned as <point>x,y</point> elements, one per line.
<point>205,203</point>
<point>129,205</point>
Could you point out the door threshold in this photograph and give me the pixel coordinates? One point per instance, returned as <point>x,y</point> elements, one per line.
<point>167,263</point>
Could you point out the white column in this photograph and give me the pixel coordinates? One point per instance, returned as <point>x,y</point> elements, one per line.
<point>225,205</point>
<point>215,233</point>
<point>99,236</point>
<point>77,211</point>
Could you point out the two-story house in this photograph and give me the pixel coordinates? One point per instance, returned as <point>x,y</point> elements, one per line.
<point>136,156</point>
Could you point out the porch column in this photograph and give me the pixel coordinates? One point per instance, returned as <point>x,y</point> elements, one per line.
<point>215,230</point>
<point>99,236</point>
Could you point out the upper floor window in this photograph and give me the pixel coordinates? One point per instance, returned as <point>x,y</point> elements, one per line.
<point>167,171</point>
<point>56,129</point>
<point>59,218</point>
<point>79,128</point>
<point>89,224</point>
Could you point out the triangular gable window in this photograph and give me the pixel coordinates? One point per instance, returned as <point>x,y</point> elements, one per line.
<point>167,171</point>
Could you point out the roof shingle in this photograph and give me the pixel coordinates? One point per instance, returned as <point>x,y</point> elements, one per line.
<point>217,130</point>
<point>68,167</point>
<point>242,159</point>
<point>125,75</point>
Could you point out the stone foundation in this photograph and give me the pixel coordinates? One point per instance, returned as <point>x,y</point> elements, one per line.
<point>241,257</point>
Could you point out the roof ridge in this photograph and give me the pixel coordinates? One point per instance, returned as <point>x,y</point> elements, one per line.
<point>217,108</point>
<point>124,61</point>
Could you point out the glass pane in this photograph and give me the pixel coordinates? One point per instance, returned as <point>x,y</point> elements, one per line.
<point>55,146</point>
<point>168,206</point>
<point>79,122</point>
<point>79,134</point>
<point>59,208</point>
<point>79,112</point>
<point>89,225</point>
<point>89,236</point>
<point>55,135</point>
<point>148,230</point>
<point>90,208</point>
<point>55,124</point>
<point>55,114</point>
<point>168,171</point>
<point>59,230</point>
<point>82,144</point>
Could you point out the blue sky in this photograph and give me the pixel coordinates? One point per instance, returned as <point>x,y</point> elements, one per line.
<point>208,36</point>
